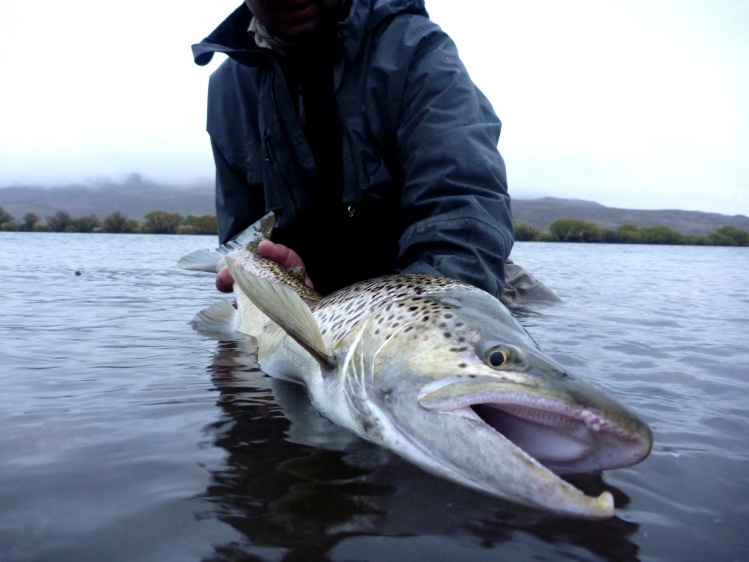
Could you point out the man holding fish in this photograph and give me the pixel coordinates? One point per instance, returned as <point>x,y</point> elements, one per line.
<point>348,137</point>
<point>356,123</point>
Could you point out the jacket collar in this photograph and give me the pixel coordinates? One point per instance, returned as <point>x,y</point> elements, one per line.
<point>231,35</point>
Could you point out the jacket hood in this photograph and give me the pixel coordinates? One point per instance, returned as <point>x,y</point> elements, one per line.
<point>231,35</point>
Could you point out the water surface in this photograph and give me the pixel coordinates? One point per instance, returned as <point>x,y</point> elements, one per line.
<point>129,436</point>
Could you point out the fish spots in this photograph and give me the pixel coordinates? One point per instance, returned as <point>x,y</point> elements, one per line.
<point>447,333</point>
<point>392,304</point>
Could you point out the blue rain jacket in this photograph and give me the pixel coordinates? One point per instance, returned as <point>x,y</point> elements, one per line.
<point>422,186</point>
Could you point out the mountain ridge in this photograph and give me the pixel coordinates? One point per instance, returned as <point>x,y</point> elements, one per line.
<point>135,197</point>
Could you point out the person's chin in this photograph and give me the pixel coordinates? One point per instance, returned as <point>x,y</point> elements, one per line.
<point>299,31</point>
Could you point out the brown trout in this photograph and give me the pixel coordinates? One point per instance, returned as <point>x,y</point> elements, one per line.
<point>435,370</point>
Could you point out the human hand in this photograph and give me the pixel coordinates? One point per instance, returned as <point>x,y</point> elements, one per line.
<point>282,255</point>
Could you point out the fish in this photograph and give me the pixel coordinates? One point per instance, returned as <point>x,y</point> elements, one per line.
<point>435,370</point>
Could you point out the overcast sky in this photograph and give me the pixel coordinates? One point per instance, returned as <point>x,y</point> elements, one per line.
<point>638,104</point>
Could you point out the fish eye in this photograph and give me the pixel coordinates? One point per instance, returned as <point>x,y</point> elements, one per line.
<point>497,357</point>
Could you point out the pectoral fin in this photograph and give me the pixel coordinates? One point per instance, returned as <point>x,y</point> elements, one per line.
<point>287,309</point>
<point>220,317</point>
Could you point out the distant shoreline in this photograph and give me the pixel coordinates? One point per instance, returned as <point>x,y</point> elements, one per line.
<point>137,196</point>
<point>561,230</point>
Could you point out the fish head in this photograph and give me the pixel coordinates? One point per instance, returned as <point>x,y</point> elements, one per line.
<point>464,392</point>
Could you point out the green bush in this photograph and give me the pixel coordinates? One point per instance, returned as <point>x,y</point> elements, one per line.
<point>571,230</point>
<point>160,222</point>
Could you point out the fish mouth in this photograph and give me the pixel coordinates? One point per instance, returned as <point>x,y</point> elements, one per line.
<point>564,443</point>
<point>564,437</point>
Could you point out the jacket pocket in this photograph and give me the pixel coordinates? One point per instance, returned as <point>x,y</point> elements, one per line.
<point>274,179</point>
<point>366,175</point>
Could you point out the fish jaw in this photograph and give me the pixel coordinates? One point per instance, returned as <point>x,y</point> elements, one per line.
<point>562,432</point>
<point>479,458</point>
<point>439,404</point>
<point>568,425</point>
<point>459,445</point>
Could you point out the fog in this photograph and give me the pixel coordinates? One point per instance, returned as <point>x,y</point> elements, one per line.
<point>639,104</point>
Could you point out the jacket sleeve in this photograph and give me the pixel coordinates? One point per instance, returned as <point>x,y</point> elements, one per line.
<point>231,123</point>
<point>455,200</point>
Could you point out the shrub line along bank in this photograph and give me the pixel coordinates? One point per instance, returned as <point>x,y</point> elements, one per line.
<point>156,222</point>
<point>570,230</point>
<point>561,230</point>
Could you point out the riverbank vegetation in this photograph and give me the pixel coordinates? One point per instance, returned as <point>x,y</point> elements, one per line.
<point>155,222</point>
<point>570,230</point>
<point>561,230</point>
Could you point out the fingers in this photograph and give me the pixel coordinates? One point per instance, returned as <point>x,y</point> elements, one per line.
<point>224,281</point>
<point>283,256</point>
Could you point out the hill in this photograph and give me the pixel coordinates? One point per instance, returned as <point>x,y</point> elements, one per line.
<point>133,198</point>
<point>540,213</point>
<point>136,197</point>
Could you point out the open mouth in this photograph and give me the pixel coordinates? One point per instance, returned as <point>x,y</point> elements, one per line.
<point>557,441</point>
<point>514,440</point>
<point>563,439</point>
<point>566,439</point>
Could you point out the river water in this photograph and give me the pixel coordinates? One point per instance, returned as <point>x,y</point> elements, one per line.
<point>125,435</point>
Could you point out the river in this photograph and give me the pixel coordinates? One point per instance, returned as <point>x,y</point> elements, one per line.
<point>126,435</point>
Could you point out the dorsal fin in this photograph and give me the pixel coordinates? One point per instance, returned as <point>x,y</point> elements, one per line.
<point>286,308</point>
<point>257,231</point>
<point>212,261</point>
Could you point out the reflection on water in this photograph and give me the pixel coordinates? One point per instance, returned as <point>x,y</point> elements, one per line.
<point>296,483</point>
